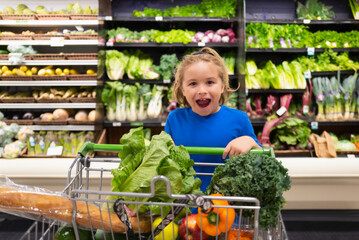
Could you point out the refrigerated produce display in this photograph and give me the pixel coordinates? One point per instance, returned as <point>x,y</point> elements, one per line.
<point>93,70</point>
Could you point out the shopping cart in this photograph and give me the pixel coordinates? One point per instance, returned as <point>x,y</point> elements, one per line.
<point>100,202</point>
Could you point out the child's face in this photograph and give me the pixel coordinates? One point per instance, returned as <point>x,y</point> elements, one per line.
<point>202,88</point>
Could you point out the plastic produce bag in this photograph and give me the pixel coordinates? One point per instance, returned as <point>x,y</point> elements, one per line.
<point>12,150</point>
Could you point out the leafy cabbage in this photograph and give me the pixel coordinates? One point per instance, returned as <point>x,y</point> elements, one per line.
<point>140,164</point>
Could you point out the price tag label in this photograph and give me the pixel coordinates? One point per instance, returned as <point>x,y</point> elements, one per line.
<point>306,21</point>
<point>57,42</point>
<point>109,44</point>
<point>166,80</point>
<point>136,124</point>
<point>108,18</point>
<point>54,151</point>
<point>21,22</point>
<point>159,18</point>
<point>79,28</point>
<point>281,111</point>
<point>310,51</point>
<point>314,125</point>
<point>116,124</point>
<point>201,44</point>
<point>163,124</point>
<point>351,156</point>
<point>305,109</point>
<point>307,74</point>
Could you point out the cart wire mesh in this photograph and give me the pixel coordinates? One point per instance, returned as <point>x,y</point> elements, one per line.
<point>99,201</point>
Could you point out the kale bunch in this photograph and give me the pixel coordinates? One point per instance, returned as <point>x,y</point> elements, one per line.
<point>254,175</point>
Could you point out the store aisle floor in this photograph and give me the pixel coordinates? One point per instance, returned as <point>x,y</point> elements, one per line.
<point>300,225</point>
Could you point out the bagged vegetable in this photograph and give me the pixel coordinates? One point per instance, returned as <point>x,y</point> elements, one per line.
<point>13,150</point>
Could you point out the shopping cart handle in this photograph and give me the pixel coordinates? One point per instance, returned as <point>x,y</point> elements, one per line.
<point>91,147</point>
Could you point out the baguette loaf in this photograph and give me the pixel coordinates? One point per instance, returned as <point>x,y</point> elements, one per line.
<point>60,208</point>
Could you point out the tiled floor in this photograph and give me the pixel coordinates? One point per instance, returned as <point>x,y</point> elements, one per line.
<point>300,225</point>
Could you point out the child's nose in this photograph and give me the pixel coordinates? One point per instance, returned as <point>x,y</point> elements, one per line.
<point>202,88</point>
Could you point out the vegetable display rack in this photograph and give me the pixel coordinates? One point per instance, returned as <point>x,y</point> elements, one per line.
<point>127,215</point>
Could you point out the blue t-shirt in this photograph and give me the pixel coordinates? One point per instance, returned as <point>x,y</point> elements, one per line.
<point>216,130</point>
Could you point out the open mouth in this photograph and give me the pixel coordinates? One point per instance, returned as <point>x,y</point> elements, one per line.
<point>202,103</point>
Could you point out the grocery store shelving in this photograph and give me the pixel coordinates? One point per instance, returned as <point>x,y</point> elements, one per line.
<point>145,123</point>
<point>299,50</point>
<point>53,62</point>
<point>50,23</point>
<point>276,91</point>
<point>170,45</point>
<point>170,19</point>
<point>47,105</point>
<point>261,122</point>
<point>62,127</point>
<point>50,43</point>
<point>48,83</point>
<point>303,21</point>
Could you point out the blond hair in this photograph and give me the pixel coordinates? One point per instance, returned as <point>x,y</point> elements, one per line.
<point>209,55</point>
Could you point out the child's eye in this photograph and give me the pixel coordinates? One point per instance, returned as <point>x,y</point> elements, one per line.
<point>210,82</point>
<point>192,84</point>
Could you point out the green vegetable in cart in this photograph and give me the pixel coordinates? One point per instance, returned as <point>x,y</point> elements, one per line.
<point>67,232</point>
<point>254,175</point>
<point>140,163</point>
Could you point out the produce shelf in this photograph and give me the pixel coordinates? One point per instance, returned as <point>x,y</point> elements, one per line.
<point>48,83</point>
<point>275,91</point>
<point>149,81</point>
<point>145,123</point>
<point>170,45</point>
<point>302,21</point>
<point>62,127</point>
<point>53,62</point>
<point>298,50</point>
<point>50,23</point>
<point>261,122</point>
<point>48,42</point>
<point>170,19</point>
<point>46,105</point>
<point>331,73</point>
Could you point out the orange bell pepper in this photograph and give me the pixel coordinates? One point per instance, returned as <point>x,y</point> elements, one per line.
<point>208,222</point>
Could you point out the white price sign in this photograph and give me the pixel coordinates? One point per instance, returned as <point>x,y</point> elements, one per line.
<point>54,151</point>
<point>306,21</point>
<point>314,125</point>
<point>57,42</point>
<point>159,18</point>
<point>281,111</point>
<point>116,124</point>
<point>201,44</point>
<point>311,51</point>
<point>308,74</point>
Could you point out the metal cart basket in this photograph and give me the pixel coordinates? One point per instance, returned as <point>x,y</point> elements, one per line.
<point>88,183</point>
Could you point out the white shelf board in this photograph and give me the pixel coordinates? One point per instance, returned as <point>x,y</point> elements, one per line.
<point>62,127</point>
<point>48,83</point>
<point>93,42</point>
<point>46,105</point>
<point>53,62</point>
<point>50,23</point>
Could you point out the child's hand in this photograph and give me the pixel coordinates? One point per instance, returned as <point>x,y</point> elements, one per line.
<point>238,146</point>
